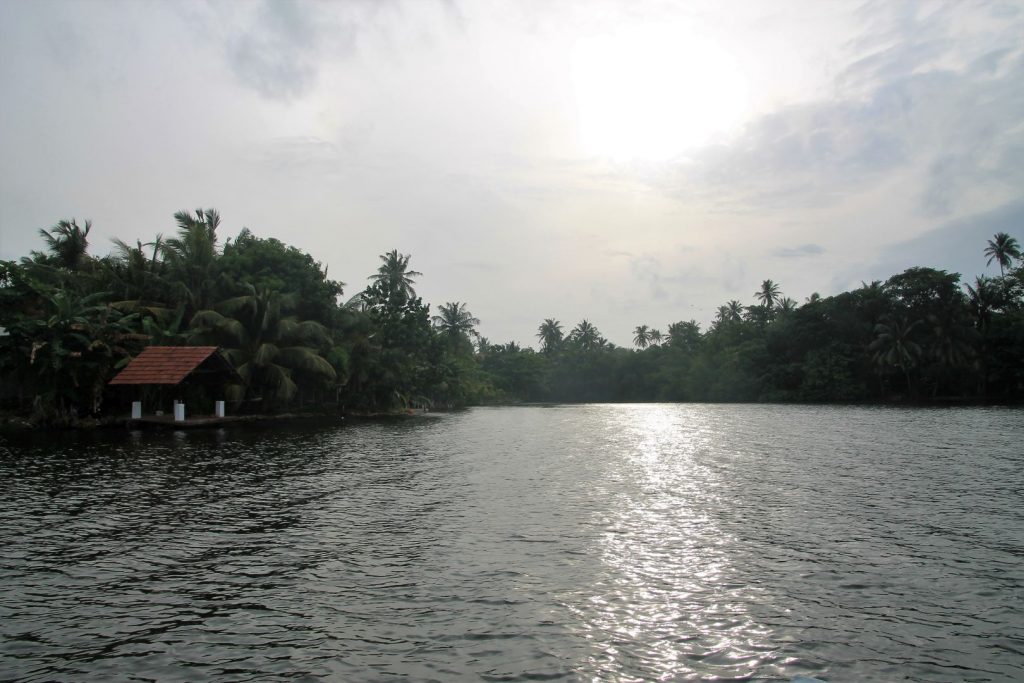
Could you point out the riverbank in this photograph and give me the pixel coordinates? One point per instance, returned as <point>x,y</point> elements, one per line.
<point>10,423</point>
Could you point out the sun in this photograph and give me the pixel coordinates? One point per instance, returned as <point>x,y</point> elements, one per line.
<point>651,93</point>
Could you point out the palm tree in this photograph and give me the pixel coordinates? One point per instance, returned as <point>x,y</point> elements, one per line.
<point>734,310</point>
<point>684,335</point>
<point>65,348</point>
<point>655,336</point>
<point>787,305</point>
<point>893,347</point>
<point>769,294</point>
<point>67,244</point>
<point>139,278</point>
<point>952,341</point>
<point>983,298</point>
<point>192,256</point>
<point>642,337</point>
<point>1004,250</point>
<point>268,349</point>
<point>393,277</point>
<point>586,336</point>
<point>550,335</point>
<point>455,321</point>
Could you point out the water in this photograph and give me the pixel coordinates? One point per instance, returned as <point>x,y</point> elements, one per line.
<point>606,542</point>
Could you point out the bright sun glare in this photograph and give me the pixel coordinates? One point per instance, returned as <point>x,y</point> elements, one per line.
<point>652,93</point>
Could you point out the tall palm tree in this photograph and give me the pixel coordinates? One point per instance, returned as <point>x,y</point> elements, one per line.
<point>192,257</point>
<point>641,336</point>
<point>734,309</point>
<point>893,347</point>
<point>769,294</point>
<point>586,336</point>
<point>268,349</point>
<point>139,278</point>
<point>550,335</point>
<point>1004,250</point>
<point>656,337</point>
<point>984,297</point>
<point>393,277</point>
<point>455,321</point>
<point>67,243</point>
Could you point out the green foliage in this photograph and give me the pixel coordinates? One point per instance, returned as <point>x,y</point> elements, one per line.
<point>69,321</point>
<point>274,353</point>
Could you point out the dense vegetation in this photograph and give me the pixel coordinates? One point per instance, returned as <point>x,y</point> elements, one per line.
<point>70,321</point>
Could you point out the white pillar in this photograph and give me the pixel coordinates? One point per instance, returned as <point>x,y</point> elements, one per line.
<point>220,409</point>
<point>136,410</point>
<point>179,412</point>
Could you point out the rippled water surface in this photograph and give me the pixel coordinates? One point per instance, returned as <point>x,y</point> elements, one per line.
<point>606,542</point>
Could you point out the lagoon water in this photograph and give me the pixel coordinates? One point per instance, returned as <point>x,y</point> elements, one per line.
<point>589,543</point>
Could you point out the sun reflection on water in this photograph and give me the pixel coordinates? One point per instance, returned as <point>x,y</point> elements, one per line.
<point>665,580</point>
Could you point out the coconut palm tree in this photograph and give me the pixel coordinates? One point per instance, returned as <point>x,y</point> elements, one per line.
<point>393,278</point>
<point>983,298</point>
<point>641,337</point>
<point>67,244</point>
<point>455,322</point>
<point>734,310</point>
<point>586,336</point>
<point>139,279</point>
<point>550,335</point>
<point>787,305</point>
<point>769,294</point>
<point>192,257</point>
<point>655,336</point>
<point>893,347</point>
<point>1004,250</point>
<point>270,350</point>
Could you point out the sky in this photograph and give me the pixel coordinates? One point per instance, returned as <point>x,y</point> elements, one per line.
<point>625,162</point>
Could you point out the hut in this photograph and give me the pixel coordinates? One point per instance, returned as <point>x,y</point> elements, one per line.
<point>196,372</point>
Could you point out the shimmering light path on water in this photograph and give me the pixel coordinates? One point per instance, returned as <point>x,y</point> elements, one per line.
<point>606,542</point>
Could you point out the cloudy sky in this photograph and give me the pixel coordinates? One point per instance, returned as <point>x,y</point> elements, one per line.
<point>627,162</point>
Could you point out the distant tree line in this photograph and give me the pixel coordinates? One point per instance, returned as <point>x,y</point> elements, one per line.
<point>69,321</point>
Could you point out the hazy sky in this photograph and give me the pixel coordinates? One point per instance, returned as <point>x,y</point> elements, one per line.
<point>627,162</point>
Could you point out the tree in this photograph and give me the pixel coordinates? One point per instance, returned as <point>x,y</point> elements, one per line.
<point>734,310</point>
<point>1004,250</point>
<point>656,336</point>
<point>137,280</point>
<point>586,336</point>
<point>62,347</point>
<point>894,347</point>
<point>274,353</point>
<point>67,244</point>
<point>192,257</point>
<point>684,335</point>
<point>455,323</point>
<point>641,336</point>
<point>271,264</point>
<point>983,298</point>
<point>769,294</point>
<point>550,335</point>
<point>393,278</point>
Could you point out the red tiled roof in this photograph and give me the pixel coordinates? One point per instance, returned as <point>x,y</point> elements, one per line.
<point>163,364</point>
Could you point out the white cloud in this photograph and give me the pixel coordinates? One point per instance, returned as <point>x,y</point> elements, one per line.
<point>450,131</point>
